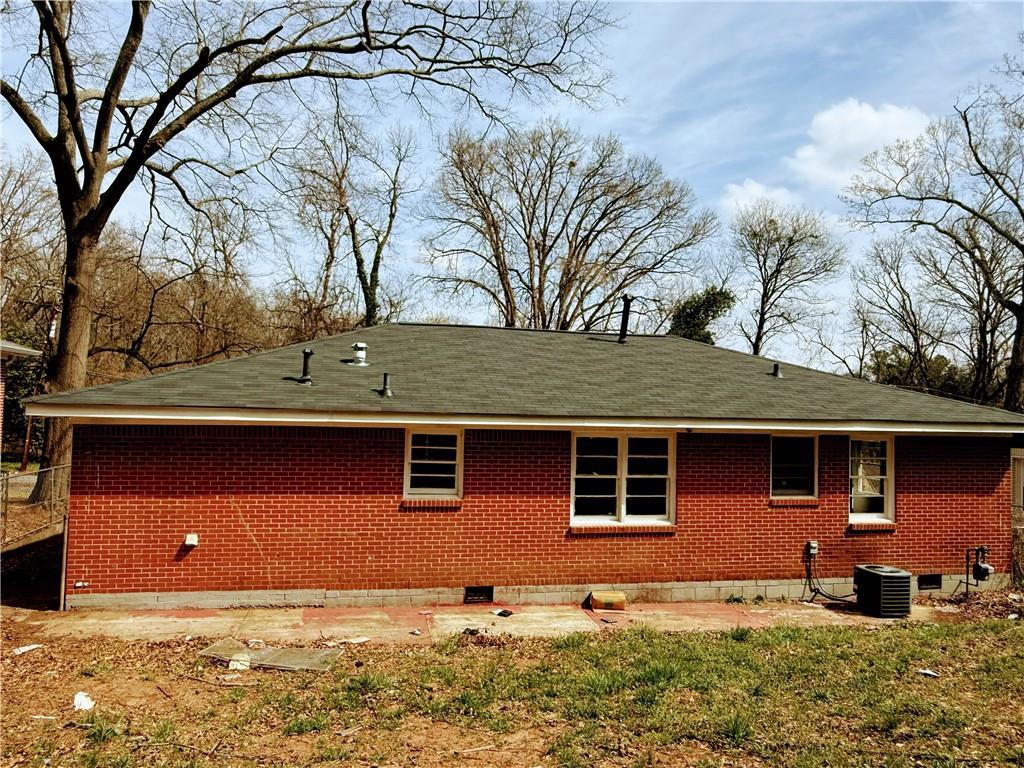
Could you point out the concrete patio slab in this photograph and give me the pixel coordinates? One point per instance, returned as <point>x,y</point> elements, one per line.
<point>424,625</point>
<point>689,617</point>
<point>267,624</point>
<point>525,621</point>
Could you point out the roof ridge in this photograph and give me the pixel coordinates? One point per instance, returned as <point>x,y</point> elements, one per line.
<point>567,332</point>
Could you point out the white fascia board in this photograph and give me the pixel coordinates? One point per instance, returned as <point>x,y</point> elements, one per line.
<point>100,414</point>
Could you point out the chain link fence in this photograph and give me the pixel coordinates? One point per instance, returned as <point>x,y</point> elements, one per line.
<point>31,502</point>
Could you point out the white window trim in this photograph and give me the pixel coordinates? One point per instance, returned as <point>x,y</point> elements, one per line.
<point>420,493</point>
<point>1017,477</point>
<point>621,519</point>
<point>771,467</point>
<point>890,482</point>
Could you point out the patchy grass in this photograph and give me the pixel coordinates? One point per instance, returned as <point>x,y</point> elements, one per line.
<point>781,697</point>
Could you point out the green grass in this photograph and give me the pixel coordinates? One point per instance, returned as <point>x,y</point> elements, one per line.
<point>779,697</point>
<point>15,466</point>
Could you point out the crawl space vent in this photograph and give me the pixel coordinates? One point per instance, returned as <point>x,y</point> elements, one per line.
<point>478,595</point>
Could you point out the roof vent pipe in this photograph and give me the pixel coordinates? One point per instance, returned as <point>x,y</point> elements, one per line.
<point>624,325</point>
<point>777,371</point>
<point>358,354</point>
<point>385,390</point>
<point>305,378</point>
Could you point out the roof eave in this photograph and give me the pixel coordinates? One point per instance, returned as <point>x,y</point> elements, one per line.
<point>114,414</point>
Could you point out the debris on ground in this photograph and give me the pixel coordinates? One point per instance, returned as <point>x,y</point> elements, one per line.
<point>927,673</point>
<point>83,701</point>
<point>238,656</point>
<point>416,632</point>
<point>1013,616</point>
<point>356,640</point>
<point>473,631</point>
<point>503,612</point>
<point>26,648</point>
<point>254,643</point>
<point>979,604</point>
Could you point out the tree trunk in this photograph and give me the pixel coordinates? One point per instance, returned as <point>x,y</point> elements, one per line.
<point>68,365</point>
<point>372,316</point>
<point>1014,400</point>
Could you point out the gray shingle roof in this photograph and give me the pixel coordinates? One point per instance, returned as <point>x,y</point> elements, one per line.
<point>466,370</point>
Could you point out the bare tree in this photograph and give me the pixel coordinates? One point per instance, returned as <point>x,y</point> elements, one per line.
<point>963,180</point>
<point>978,328</point>
<point>848,341</point>
<point>31,246</point>
<point>891,302</point>
<point>348,188</point>
<point>786,254</point>
<point>190,97</point>
<point>184,302</point>
<point>550,228</point>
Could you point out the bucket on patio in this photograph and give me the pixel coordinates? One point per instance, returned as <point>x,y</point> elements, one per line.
<point>607,600</point>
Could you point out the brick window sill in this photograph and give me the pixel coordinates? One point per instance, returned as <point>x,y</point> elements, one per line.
<point>622,530</point>
<point>871,527</point>
<point>440,505</point>
<point>784,502</point>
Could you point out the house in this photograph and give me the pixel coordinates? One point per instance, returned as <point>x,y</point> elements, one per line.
<point>9,351</point>
<point>403,464</point>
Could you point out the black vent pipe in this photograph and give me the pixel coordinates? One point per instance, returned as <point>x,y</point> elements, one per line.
<point>385,390</point>
<point>627,300</point>
<point>305,378</point>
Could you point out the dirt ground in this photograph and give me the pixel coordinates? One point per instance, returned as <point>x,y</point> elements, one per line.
<point>626,698</point>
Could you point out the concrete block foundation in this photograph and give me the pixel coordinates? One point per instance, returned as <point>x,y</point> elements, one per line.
<point>545,594</point>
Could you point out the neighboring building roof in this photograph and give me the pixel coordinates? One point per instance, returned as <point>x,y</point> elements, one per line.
<point>483,375</point>
<point>9,349</point>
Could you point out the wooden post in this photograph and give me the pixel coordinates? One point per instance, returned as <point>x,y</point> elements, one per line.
<point>1017,555</point>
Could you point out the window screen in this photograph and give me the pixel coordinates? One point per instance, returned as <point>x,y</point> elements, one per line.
<point>793,466</point>
<point>433,463</point>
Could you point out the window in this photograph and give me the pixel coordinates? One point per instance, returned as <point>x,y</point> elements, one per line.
<point>622,478</point>
<point>433,464</point>
<point>794,467</point>
<point>871,492</point>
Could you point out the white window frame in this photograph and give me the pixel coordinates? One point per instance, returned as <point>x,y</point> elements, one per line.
<point>621,518</point>
<point>771,466</point>
<point>1017,478</point>
<point>429,493</point>
<point>889,516</point>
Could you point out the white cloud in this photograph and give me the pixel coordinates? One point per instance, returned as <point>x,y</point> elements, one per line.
<point>844,133</point>
<point>738,195</point>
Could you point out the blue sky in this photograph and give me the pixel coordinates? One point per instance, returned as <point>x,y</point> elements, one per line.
<point>776,98</point>
<point>723,93</point>
<point>783,98</point>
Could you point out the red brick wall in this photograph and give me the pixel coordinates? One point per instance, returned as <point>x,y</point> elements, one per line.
<point>280,507</point>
